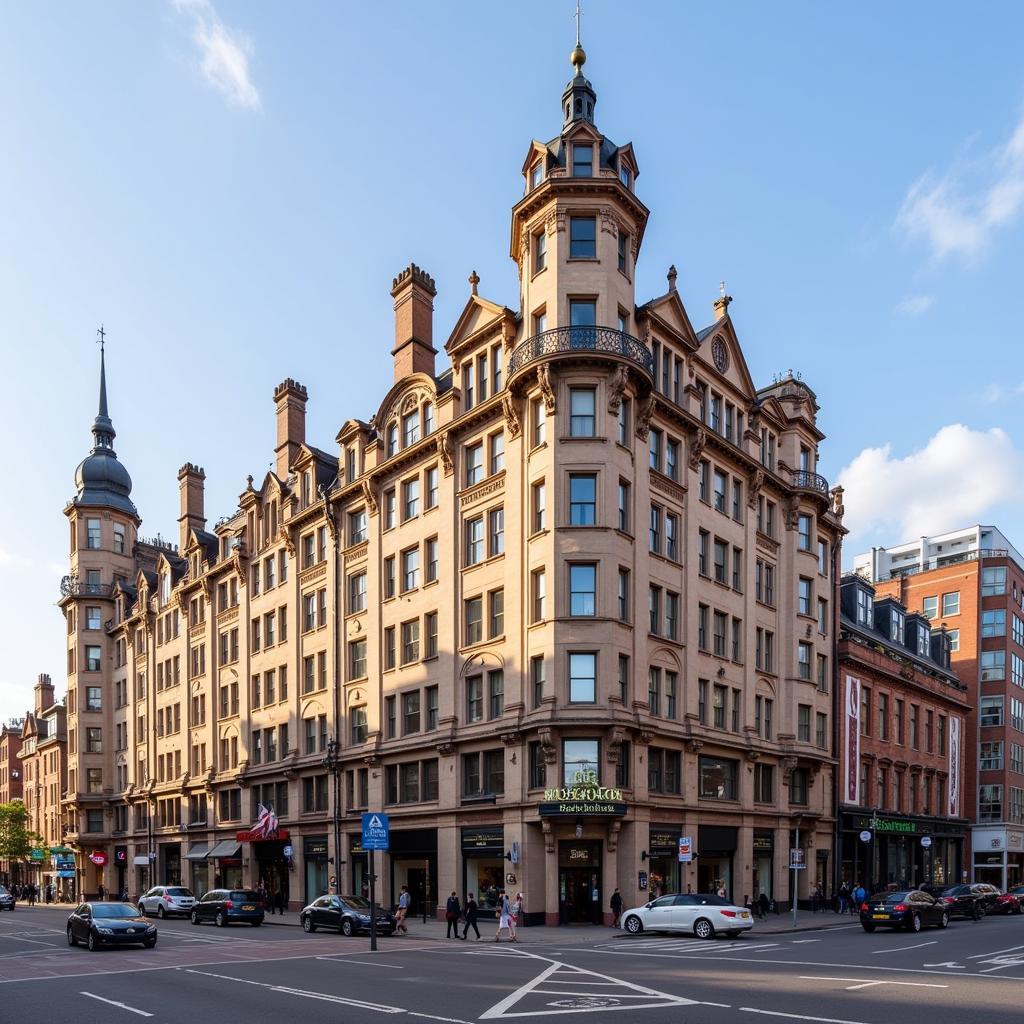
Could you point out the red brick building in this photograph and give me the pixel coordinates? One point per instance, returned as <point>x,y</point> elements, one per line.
<point>901,726</point>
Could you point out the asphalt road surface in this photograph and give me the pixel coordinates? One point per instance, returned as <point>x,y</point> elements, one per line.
<point>840,975</point>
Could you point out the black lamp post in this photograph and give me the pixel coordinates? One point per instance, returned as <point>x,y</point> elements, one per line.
<point>333,765</point>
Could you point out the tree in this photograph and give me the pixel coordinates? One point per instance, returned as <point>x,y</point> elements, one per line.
<point>16,838</point>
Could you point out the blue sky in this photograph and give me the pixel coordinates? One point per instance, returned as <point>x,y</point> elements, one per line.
<point>231,186</point>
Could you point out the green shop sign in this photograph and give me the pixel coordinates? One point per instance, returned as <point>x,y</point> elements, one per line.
<point>890,826</point>
<point>584,796</point>
<point>36,853</point>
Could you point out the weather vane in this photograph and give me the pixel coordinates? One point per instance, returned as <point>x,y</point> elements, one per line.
<point>100,336</point>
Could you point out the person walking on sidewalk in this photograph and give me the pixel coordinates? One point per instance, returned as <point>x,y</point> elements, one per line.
<point>505,919</point>
<point>470,918</point>
<point>616,906</point>
<point>452,911</point>
<point>403,910</point>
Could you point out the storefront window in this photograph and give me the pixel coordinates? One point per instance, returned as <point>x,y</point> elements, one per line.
<point>580,756</point>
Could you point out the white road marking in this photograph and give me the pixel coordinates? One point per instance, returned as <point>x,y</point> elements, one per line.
<point>948,963</point>
<point>861,983</point>
<point>431,1016</point>
<point>122,1006</point>
<point>900,949</point>
<point>341,958</point>
<point>995,952</point>
<point>799,1016</point>
<point>803,942</point>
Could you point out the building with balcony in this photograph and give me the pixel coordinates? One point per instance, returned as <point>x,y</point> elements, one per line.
<point>903,716</point>
<point>561,602</point>
<point>971,582</point>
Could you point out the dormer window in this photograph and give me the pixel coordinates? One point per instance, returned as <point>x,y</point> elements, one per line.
<point>428,418</point>
<point>924,640</point>
<point>582,159</point>
<point>392,439</point>
<point>410,428</point>
<point>165,588</point>
<point>468,390</point>
<point>625,175</point>
<point>865,607</point>
<point>897,627</point>
<point>350,464</point>
<point>307,489</point>
<point>536,175</point>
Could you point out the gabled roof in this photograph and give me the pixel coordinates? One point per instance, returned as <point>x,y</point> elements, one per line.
<point>478,315</point>
<point>668,312</point>
<point>737,373</point>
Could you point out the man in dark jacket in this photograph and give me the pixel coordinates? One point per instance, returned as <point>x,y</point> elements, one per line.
<point>470,918</point>
<point>451,914</point>
<point>616,906</point>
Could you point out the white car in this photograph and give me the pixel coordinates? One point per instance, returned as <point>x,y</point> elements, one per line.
<point>700,914</point>
<point>164,900</point>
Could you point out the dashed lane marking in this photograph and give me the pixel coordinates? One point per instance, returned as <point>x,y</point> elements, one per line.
<point>900,949</point>
<point>121,1006</point>
<point>861,983</point>
<point>799,1016</point>
<point>342,958</point>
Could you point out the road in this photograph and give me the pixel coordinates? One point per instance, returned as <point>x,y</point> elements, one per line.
<point>241,974</point>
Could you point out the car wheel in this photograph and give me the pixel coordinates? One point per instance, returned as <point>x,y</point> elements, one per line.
<point>944,920</point>
<point>220,920</point>
<point>194,917</point>
<point>1017,909</point>
<point>142,910</point>
<point>914,924</point>
<point>634,925</point>
<point>347,928</point>
<point>150,943</point>
<point>160,912</point>
<point>92,943</point>
<point>704,929</point>
<point>72,941</point>
<point>867,927</point>
<point>307,925</point>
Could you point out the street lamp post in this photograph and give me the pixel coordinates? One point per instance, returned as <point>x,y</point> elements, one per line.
<point>333,765</point>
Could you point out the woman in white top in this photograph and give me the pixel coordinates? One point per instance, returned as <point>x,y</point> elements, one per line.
<point>505,920</point>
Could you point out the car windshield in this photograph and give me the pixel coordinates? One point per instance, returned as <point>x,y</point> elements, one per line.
<point>114,910</point>
<point>896,897</point>
<point>179,892</point>
<point>245,895</point>
<point>356,902</point>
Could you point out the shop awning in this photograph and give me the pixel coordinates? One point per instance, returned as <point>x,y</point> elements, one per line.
<point>198,851</point>
<point>226,848</point>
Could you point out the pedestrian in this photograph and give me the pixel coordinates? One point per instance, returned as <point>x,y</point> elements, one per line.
<point>689,889</point>
<point>279,900</point>
<point>470,912</point>
<point>721,892</point>
<point>616,905</point>
<point>517,914</point>
<point>101,892</point>
<point>504,918</point>
<point>403,910</point>
<point>860,894</point>
<point>452,911</point>
<point>844,895</point>
<point>764,904</point>
<point>816,898</point>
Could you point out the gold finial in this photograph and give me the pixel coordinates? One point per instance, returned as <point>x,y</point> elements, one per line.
<point>474,280</point>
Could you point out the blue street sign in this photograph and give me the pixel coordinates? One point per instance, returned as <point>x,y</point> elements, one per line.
<point>375,831</point>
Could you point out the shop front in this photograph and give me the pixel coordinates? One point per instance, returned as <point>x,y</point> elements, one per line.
<point>579,882</point>
<point>226,861</point>
<point>170,864</point>
<point>199,869</point>
<point>763,866</point>
<point>998,856</point>
<point>663,860</point>
<point>716,853</point>
<point>120,869</point>
<point>273,864</point>
<point>483,865</point>
<point>314,859</point>
<point>414,864</point>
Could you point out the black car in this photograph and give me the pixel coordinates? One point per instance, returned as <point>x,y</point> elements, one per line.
<point>911,909</point>
<point>7,900</point>
<point>346,914</point>
<point>962,900</point>
<point>109,924</point>
<point>224,906</point>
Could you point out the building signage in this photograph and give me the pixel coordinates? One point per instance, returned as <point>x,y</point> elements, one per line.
<point>796,860</point>
<point>686,849</point>
<point>375,831</point>
<point>36,853</point>
<point>852,740</point>
<point>891,826</point>
<point>662,843</point>
<point>484,840</point>
<point>954,766</point>
<point>584,796</point>
<point>255,835</point>
<point>315,847</point>
<point>99,858</point>
<point>764,843</point>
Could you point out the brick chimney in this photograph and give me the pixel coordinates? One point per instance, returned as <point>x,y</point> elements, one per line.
<point>290,398</point>
<point>190,483</point>
<point>44,693</point>
<point>413,291</point>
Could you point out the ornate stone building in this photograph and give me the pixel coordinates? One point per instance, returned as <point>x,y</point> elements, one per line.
<point>563,602</point>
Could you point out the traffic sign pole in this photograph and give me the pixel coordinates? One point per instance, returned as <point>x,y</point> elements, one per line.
<point>373,905</point>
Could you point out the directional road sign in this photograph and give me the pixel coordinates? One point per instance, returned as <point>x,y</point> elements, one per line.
<point>375,831</point>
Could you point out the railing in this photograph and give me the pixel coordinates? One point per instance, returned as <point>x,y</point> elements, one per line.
<point>805,480</point>
<point>581,339</point>
<point>72,586</point>
<point>940,561</point>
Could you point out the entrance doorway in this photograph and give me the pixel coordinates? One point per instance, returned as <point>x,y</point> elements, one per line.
<point>579,883</point>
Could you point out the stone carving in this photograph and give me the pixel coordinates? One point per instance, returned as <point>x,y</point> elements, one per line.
<point>697,446</point>
<point>555,221</point>
<point>616,735</point>
<point>838,509</point>
<point>609,222</point>
<point>512,422</point>
<point>284,534</point>
<point>548,744</point>
<point>791,511</point>
<point>694,746</point>
<point>617,388</point>
<point>546,388</point>
<point>754,484</point>
<point>371,498</point>
<point>444,449</point>
<point>643,419</point>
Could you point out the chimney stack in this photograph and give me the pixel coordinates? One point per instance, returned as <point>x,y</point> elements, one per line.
<point>413,291</point>
<point>190,483</point>
<point>44,693</point>
<point>290,398</point>
<point>722,304</point>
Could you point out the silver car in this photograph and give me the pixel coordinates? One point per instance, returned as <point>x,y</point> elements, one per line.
<point>164,900</point>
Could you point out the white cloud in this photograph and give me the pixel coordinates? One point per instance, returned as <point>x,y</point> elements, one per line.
<point>954,480</point>
<point>224,54</point>
<point>960,210</point>
<point>915,305</point>
<point>996,392</point>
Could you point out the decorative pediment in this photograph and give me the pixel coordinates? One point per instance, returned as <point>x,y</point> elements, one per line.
<point>719,355</point>
<point>479,319</point>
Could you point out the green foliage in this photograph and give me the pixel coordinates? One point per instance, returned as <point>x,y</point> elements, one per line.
<point>16,838</point>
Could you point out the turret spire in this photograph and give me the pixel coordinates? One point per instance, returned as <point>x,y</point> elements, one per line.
<point>579,98</point>
<point>102,428</point>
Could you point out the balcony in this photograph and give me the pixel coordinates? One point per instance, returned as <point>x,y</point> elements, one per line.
<point>572,340</point>
<point>805,480</point>
<point>72,586</point>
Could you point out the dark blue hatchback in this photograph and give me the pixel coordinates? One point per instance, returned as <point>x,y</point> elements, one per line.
<point>229,906</point>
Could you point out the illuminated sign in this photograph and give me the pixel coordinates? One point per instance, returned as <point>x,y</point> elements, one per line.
<point>584,796</point>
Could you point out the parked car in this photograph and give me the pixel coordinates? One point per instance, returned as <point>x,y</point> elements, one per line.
<point>224,906</point>
<point>109,924</point>
<point>959,900</point>
<point>911,909</point>
<point>164,900</point>
<point>346,914</point>
<point>700,914</point>
<point>7,899</point>
<point>1010,902</point>
<point>989,895</point>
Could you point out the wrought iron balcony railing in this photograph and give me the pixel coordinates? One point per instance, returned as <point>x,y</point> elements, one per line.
<point>805,480</point>
<point>561,340</point>
<point>72,586</point>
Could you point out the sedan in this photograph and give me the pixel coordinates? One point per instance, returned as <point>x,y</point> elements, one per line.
<point>109,924</point>
<point>164,900</point>
<point>346,914</point>
<point>222,906</point>
<point>959,900</point>
<point>911,909</point>
<point>700,914</point>
<point>1010,902</point>
<point>7,900</point>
